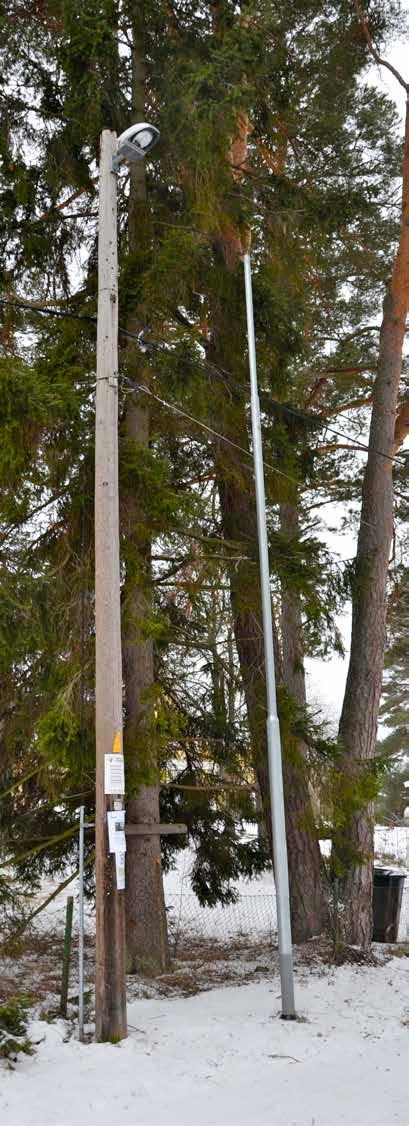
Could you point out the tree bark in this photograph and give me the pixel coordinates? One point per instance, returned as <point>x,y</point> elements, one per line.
<point>238,511</point>
<point>239,526</point>
<point>308,895</point>
<point>359,717</point>
<point>147,941</point>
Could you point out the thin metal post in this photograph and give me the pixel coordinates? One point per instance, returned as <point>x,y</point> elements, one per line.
<point>273,727</point>
<point>81,930</point>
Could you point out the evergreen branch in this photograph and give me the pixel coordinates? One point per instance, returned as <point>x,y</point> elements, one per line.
<point>179,565</point>
<point>275,164</point>
<point>348,370</point>
<point>46,902</point>
<point>219,786</point>
<point>204,426</point>
<point>34,511</point>
<point>322,381</point>
<point>40,848</point>
<point>37,307</point>
<point>20,782</point>
<point>354,404</point>
<point>401,425</point>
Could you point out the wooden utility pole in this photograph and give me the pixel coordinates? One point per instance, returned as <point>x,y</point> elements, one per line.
<point>110,991</point>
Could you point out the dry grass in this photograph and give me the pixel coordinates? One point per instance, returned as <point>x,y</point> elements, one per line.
<point>35,966</point>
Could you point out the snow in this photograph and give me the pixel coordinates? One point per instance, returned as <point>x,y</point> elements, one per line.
<point>225,1057</point>
<point>255,910</point>
<point>254,913</point>
<point>219,1055</point>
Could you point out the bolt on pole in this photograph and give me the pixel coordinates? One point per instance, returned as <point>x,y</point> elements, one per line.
<point>110,991</point>
<point>273,728</point>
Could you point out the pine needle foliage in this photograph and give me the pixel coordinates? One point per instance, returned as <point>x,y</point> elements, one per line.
<point>13,1028</point>
<point>314,192</point>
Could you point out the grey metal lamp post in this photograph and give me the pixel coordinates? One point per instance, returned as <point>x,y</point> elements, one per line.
<point>273,728</point>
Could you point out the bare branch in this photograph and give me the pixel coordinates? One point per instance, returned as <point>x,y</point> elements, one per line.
<point>66,202</point>
<point>375,54</point>
<point>337,446</point>
<point>401,425</point>
<point>354,404</point>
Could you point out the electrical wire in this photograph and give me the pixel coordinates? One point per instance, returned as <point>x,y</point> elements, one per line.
<point>204,426</point>
<point>222,437</point>
<point>315,420</point>
<point>146,345</point>
<point>304,416</point>
<point>47,311</point>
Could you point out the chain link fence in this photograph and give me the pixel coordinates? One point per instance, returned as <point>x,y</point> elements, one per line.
<point>251,918</point>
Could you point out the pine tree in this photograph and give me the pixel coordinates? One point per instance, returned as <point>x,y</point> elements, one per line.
<point>358,724</point>
<point>264,124</point>
<point>231,126</point>
<point>394,710</point>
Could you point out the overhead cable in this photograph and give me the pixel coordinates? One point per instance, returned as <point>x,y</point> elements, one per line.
<point>146,345</point>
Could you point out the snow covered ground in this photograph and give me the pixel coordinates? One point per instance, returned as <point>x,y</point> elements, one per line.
<point>224,1058</point>
<point>206,1046</point>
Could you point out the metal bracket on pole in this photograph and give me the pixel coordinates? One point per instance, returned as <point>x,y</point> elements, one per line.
<point>113,380</point>
<point>162,830</point>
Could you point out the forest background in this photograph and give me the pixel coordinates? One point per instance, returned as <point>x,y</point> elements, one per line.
<point>271,137</point>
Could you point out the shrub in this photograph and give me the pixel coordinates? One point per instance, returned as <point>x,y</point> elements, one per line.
<point>13,1028</point>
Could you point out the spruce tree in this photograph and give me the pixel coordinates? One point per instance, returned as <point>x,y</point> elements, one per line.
<point>265,128</point>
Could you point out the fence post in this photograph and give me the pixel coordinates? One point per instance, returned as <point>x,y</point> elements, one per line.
<point>66,956</point>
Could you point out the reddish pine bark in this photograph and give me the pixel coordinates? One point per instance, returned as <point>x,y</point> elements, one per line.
<point>359,718</point>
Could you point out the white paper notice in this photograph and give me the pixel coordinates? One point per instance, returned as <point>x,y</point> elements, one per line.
<point>116,830</point>
<point>114,774</point>
<point>120,870</point>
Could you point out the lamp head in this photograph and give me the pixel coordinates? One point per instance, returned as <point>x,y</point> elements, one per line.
<point>135,143</point>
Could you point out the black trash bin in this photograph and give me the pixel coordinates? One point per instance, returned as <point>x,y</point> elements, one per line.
<point>387,899</point>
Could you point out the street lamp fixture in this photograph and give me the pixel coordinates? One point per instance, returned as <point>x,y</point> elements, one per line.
<point>135,143</point>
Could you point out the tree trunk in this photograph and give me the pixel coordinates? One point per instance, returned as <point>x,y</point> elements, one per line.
<point>239,526</point>
<point>147,942</point>
<point>359,717</point>
<point>147,945</point>
<point>310,908</point>
<point>238,511</point>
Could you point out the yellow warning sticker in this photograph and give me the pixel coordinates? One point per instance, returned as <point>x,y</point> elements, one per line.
<point>117,744</point>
